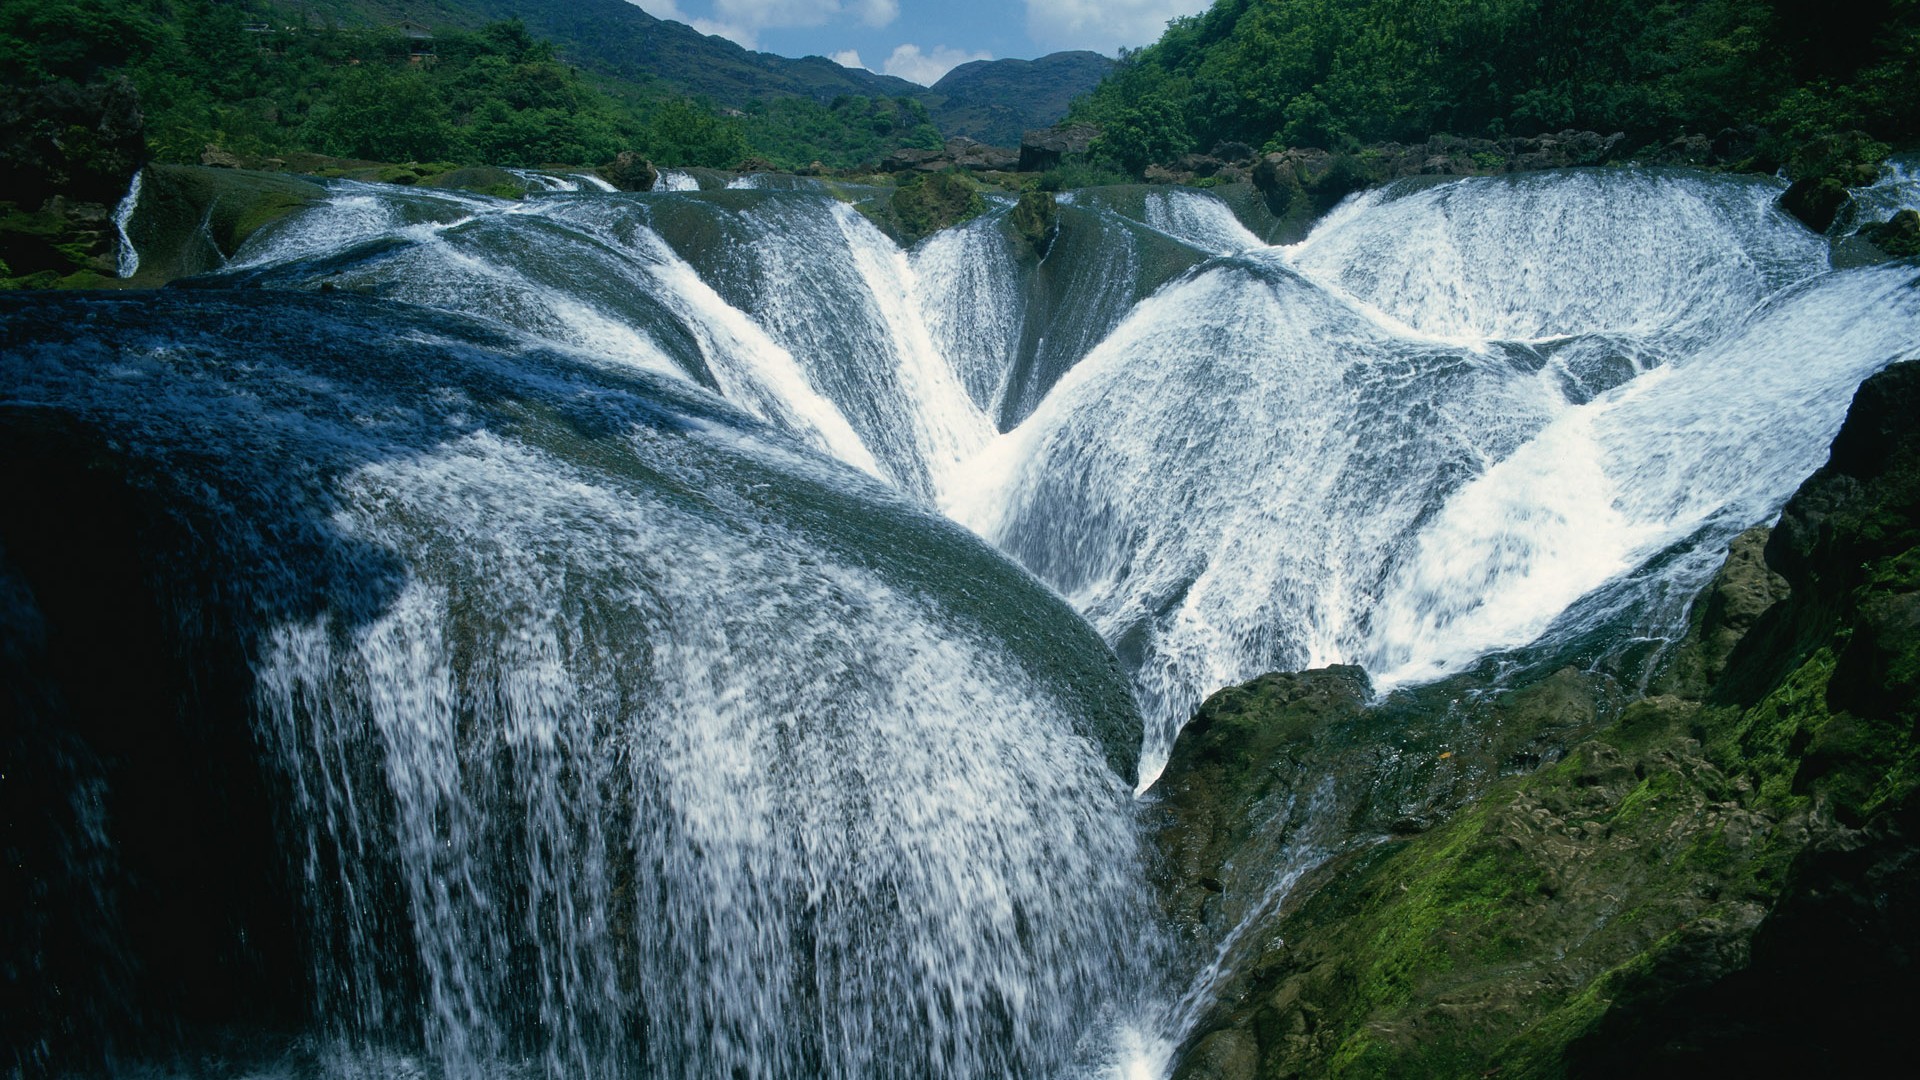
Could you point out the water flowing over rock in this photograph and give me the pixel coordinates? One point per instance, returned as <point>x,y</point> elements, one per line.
<point>615,732</point>
<point>1454,419</point>
<point>640,714</point>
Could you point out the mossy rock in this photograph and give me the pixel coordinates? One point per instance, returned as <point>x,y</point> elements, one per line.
<point>1644,904</point>
<point>481,180</point>
<point>1035,220</point>
<point>191,219</point>
<point>1816,201</point>
<point>926,204</point>
<point>1899,237</point>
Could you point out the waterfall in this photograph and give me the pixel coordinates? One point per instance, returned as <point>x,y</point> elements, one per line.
<point>127,256</point>
<point>688,634</point>
<point>1233,458</point>
<point>620,733</point>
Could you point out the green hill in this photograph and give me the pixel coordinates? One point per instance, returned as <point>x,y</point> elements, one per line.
<point>1335,73</point>
<point>614,38</point>
<point>994,101</point>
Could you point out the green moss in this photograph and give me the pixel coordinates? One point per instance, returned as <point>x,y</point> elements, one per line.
<point>927,204</point>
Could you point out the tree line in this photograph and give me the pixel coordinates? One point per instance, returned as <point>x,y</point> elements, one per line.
<point>1340,73</point>
<point>227,73</point>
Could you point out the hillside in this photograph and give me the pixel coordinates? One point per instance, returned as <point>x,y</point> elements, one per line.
<point>1278,73</point>
<point>616,39</point>
<point>994,101</point>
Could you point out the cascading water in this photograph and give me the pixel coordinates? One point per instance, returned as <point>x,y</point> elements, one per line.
<point>126,256</point>
<point>1194,449</point>
<point>620,731</point>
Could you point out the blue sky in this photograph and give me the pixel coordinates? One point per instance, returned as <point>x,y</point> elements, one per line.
<point>921,39</point>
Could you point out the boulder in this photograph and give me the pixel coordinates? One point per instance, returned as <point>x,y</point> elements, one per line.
<point>1237,153</point>
<point>1816,201</point>
<point>628,171</point>
<point>912,158</point>
<point>975,156</point>
<point>1899,237</point>
<point>1036,220</point>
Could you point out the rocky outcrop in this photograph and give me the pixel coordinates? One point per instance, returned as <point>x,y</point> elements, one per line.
<point>959,152</point>
<point>192,219</point>
<point>1720,878</point>
<point>924,205</point>
<point>629,171</point>
<point>1045,148</point>
<point>1823,170</point>
<point>67,154</point>
<point>1036,219</point>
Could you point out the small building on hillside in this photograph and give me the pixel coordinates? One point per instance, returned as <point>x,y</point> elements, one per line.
<point>419,41</point>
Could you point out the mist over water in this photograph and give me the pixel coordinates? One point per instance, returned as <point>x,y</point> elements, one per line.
<point>652,715</point>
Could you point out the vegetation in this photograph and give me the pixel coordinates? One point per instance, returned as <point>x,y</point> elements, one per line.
<point>219,73</point>
<point>928,203</point>
<point>1722,880</point>
<point>1338,73</point>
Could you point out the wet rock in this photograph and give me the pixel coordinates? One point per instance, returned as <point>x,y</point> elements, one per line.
<point>629,171</point>
<point>926,204</point>
<point>1699,866</point>
<point>1899,237</point>
<point>1816,201</point>
<point>1036,220</point>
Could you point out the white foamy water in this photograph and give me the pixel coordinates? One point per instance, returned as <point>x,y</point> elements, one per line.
<point>1200,220</point>
<point>127,257</point>
<point>675,180</point>
<point>1242,465</point>
<point>601,708</point>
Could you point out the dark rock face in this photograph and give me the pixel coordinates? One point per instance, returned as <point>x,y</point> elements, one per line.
<point>83,143</point>
<point>1719,879</point>
<point>68,153</point>
<point>1046,148</point>
<point>1816,201</point>
<point>628,171</point>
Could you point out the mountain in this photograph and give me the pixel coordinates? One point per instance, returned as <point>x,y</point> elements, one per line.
<point>996,100</point>
<point>616,39</point>
<point>990,100</point>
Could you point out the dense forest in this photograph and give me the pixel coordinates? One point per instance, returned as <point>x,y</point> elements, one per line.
<point>1335,73</point>
<point>223,74</point>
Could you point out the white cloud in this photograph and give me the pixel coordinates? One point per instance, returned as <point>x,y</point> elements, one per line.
<point>875,12</point>
<point>1104,25</point>
<point>925,68</point>
<point>848,58</point>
